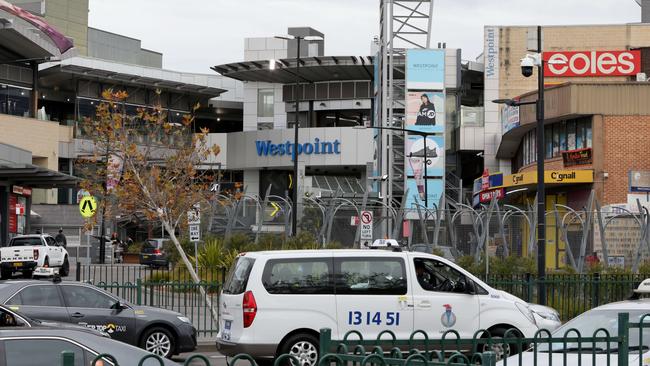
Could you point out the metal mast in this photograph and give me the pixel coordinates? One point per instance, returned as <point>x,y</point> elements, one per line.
<point>403,24</point>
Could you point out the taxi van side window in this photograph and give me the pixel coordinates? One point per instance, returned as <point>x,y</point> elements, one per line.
<point>370,276</point>
<point>298,276</point>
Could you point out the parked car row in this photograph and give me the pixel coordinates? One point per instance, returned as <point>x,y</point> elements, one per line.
<point>80,306</point>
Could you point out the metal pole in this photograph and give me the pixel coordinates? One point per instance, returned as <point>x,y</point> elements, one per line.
<point>541,192</point>
<point>426,166</point>
<point>294,195</point>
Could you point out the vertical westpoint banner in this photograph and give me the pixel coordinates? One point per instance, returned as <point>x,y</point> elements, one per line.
<point>425,112</point>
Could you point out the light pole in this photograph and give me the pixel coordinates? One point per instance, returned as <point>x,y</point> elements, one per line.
<point>294,193</point>
<point>527,64</point>
<point>424,136</point>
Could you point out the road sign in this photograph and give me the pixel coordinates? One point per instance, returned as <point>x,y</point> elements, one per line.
<point>195,233</point>
<point>276,209</point>
<point>366,225</point>
<point>354,220</point>
<point>194,215</point>
<point>88,206</point>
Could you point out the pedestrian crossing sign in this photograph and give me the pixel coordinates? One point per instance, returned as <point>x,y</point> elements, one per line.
<point>88,206</point>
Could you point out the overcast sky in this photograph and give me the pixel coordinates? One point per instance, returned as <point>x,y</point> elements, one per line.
<point>196,34</point>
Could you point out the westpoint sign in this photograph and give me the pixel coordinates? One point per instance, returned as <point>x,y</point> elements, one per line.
<point>318,147</point>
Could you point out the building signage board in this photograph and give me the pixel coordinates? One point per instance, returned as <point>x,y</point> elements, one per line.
<point>639,181</point>
<point>366,219</point>
<point>550,177</point>
<point>592,63</point>
<point>317,147</point>
<point>484,183</point>
<point>13,219</point>
<point>425,69</point>
<point>23,191</point>
<point>425,112</point>
<point>577,157</point>
<point>488,196</point>
<point>509,118</point>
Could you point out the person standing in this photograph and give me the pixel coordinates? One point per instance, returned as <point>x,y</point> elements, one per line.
<point>61,239</point>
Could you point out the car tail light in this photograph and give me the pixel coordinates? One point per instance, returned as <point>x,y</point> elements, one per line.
<point>157,251</point>
<point>35,254</point>
<point>250,308</point>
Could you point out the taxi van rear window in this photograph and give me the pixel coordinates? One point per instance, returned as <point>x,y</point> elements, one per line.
<point>298,276</point>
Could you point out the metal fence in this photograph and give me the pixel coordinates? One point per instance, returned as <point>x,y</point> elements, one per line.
<point>603,347</point>
<point>166,289</point>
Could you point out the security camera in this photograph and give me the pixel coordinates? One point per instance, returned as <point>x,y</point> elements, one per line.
<point>527,67</point>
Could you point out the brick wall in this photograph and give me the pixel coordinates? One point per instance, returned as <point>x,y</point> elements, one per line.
<point>625,148</point>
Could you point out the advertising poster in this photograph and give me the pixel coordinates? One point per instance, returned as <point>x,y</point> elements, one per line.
<point>435,155</point>
<point>509,118</point>
<point>425,111</point>
<point>434,190</point>
<point>425,69</point>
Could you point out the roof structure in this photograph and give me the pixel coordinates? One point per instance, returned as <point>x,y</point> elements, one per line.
<point>35,176</point>
<point>312,69</point>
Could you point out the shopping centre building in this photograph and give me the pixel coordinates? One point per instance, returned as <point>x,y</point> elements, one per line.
<point>596,124</point>
<point>48,84</point>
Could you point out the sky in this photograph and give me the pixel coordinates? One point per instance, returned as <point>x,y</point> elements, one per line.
<point>196,34</point>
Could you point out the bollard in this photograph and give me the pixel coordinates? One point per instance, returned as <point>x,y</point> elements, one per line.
<point>67,358</point>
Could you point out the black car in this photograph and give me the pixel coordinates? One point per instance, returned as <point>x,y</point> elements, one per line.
<point>159,331</point>
<point>153,253</point>
<point>24,346</point>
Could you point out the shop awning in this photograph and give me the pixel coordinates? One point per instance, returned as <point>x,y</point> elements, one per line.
<point>35,176</point>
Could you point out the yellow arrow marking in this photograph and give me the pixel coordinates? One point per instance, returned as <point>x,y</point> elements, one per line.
<point>276,209</point>
<point>290,180</point>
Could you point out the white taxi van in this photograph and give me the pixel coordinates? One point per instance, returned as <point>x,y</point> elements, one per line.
<point>275,302</point>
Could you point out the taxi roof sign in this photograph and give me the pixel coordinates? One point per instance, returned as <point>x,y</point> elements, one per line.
<point>384,243</point>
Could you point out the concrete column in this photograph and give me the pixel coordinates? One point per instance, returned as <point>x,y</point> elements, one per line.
<point>645,11</point>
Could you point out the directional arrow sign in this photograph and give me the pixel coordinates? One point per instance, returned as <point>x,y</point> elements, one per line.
<point>276,209</point>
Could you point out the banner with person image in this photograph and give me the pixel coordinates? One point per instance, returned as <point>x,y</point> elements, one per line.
<point>425,111</point>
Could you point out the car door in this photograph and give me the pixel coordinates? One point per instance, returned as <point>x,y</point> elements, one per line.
<point>441,303</point>
<point>96,309</point>
<point>55,251</point>
<point>42,302</point>
<point>372,295</point>
<point>40,351</point>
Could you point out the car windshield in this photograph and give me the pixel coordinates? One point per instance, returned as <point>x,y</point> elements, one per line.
<point>594,321</point>
<point>25,242</point>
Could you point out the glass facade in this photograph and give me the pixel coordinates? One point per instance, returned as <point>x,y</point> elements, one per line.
<point>558,137</point>
<point>14,100</point>
<point>265,103</point>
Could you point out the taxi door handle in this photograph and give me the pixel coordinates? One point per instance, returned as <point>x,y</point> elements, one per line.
<point>424,304</point>
<point>77,315</point>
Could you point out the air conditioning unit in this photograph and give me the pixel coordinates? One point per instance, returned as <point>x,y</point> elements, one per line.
<point>642,77</point>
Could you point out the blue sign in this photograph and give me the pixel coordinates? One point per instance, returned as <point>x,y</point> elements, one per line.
<point>318,147</point>
<point>425,69</point>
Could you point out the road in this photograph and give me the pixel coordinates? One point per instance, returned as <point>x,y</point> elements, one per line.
<point>215,358</point>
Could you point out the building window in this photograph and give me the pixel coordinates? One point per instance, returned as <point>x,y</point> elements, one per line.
<point>14,101</point>
<point>265,103</point>
<point>558,137</point>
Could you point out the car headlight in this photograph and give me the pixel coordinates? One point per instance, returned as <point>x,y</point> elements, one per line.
<point>547,315</point>
<point>525,309</point>
<point>184,319</point>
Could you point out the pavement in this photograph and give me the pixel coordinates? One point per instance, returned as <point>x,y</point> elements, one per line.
<point>215,358</point>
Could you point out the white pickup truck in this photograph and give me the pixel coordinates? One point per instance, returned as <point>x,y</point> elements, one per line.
<point>26,253</point>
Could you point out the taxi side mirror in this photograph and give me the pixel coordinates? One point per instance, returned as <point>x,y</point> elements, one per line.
<point>119,306</point>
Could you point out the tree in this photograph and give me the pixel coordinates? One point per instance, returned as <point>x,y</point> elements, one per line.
<point>157,164</point>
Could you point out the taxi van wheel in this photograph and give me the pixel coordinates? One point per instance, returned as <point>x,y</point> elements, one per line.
<point>501,350</point>
<point>158,341</point>
<point>5,275</point>
<point>304,347</point>
<point>64,271</point>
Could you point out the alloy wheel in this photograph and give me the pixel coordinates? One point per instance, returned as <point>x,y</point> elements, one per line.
<point>305,352</point>
<point>158,343</point>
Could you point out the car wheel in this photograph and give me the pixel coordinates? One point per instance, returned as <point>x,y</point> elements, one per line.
<point>158,341</point>
<point>502,350</point>
<point>65,268</point>
<point>6,274</point>
<point>304,347</point>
